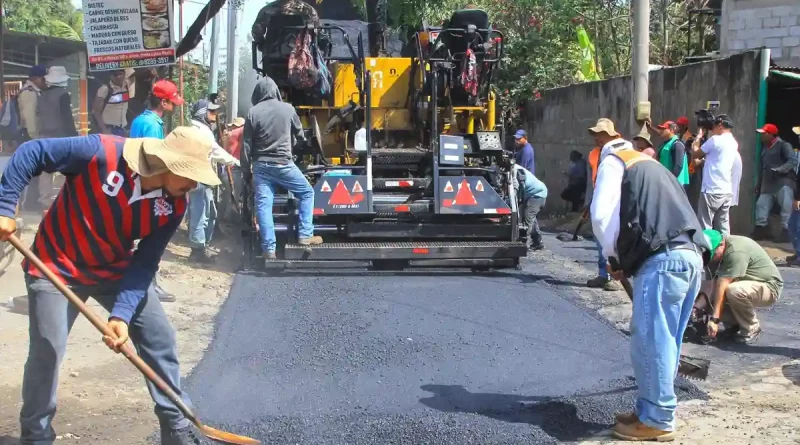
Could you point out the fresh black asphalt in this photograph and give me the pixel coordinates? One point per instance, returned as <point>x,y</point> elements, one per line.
<point>412,358</point>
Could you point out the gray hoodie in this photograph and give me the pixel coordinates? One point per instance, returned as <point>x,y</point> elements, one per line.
<point>270,127</point>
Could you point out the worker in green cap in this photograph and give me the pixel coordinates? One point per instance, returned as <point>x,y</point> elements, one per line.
<point>745,278</point>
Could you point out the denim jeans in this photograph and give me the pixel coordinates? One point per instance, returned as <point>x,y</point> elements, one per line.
<point>266,177</point>
<point>50,319</point>
<point>784,197</point>
<point>601,260</point>
<point>202,216</point>
<point>794,231</point>
<point>664,292</point>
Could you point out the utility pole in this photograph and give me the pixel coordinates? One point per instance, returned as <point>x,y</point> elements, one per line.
<point>180,62</point>
<point>2,54</point>
<point>214,84</point>
<point>232,97</point>
<point>641,62</point>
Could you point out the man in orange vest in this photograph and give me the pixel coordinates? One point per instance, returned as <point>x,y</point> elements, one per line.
<point>602,280</point>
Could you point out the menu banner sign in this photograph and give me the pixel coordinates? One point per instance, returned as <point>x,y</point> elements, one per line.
<point>128,33</point>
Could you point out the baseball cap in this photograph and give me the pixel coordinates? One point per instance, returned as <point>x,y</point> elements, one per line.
<point>665,125</point>
<point>37,71</point>
<point>769,129</point>
<point>683,120</point>
<point>520,134</point>
<point>164,89</point>
<point>714,238</point>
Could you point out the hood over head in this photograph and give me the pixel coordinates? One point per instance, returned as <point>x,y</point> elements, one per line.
<point>266,89</point>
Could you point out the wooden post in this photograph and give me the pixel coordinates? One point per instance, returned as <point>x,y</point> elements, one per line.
<point>83,85</point>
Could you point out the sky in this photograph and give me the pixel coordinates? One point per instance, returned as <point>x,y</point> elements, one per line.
<point>192,8</point>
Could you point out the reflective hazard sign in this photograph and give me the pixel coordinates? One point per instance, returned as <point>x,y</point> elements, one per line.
<point>448,188</point>
<point>479,186</point>
<point>325,187</point>
<point>464,197</point>
<point>342,195</point>
<point>357,188</point>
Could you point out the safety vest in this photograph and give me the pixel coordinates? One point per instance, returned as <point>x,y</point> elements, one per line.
<point>594,162</point>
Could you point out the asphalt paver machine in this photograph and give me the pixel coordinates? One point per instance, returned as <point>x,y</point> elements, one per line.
<point>404,150</point>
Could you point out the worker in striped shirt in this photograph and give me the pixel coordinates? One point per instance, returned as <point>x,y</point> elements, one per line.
<point>117,191</point>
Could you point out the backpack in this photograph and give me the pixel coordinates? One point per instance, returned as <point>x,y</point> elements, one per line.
<point>9,120</point>
<point>303,73</point>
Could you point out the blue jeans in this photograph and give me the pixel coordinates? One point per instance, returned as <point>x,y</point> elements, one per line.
<point>266,177</point>
<point>794,230</point>
<point>118,131</point>
<point>50,319</point>
<point>664,292</point>
<point>601,260</point>
<point>202,216</point>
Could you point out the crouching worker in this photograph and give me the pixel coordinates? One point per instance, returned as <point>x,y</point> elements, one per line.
<point>117,191</point>
<point>533,194</point>
<point>746,278</point>
<point>641,216</point>
<point>270,131</point>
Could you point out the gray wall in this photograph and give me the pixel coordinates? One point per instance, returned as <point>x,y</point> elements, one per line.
<point>751,24</point>
<point>558,122</point>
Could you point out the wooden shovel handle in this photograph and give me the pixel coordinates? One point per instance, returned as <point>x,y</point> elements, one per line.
<point>101,325</point>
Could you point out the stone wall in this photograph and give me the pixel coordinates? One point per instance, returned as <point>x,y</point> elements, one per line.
<point>752,24</point>
<point>558,122</point>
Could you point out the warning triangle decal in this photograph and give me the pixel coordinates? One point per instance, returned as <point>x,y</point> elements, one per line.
<point>479,186</point>
<point>357,188</point>
<point>340,195</point>
<point>325,187</point>
<point>448,188</point>
<point>464,197</point>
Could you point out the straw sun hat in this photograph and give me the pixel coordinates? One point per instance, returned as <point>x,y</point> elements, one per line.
<point>185,152</point>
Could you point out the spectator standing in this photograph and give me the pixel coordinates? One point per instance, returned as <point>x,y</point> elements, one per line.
<point>233,145</point>
<point>778,178</point>
<point>794,221</point>
<point>55,120</point>
<point>163,99</point>
<point>110,107</point>
<point>28,98</point>
<point>720,153</point>
<point>576,187</point>
<point>672,153</point>
<point>642,144</point>
<point>524,154</point>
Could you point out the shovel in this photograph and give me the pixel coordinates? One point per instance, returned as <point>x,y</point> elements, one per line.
<point>129,353</point>
<point>689,367</point>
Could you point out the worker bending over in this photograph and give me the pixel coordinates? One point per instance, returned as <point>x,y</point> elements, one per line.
<point>117,191</point>
<point>745,278</point>
<point>642,217</point>
<point>271,129</point>
<point>533,194</point>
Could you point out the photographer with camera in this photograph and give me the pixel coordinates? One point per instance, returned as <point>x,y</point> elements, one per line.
<point>722,170</point>
<point>778,178</point>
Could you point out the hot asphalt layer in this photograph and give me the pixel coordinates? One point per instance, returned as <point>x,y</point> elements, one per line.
<point>439,358</point>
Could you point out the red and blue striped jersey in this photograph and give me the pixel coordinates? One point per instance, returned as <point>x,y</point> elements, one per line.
<point>87,236</point>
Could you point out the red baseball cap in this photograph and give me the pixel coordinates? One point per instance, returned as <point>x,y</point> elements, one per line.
<point>769,129</point>
<point>164,89</point>
<point>665,125</point>
<point>683,120</point>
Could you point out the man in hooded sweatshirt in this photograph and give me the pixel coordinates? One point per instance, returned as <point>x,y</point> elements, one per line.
<point>202,208</point>
<point>271,129</point>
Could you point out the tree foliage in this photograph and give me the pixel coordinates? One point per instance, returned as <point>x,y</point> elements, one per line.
<point>55,18</point>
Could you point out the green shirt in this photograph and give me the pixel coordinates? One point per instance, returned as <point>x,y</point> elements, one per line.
<point>666,157</point>
<point>745,260</point>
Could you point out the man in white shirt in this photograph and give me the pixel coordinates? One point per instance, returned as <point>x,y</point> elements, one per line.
<point>648,231</point>
<point>720,153</point>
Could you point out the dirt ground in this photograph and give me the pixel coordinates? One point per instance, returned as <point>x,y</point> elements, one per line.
<point>102,398</point>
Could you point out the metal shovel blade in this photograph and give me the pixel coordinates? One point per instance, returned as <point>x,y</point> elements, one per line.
<point>225,437</point>
<point>693,368</point>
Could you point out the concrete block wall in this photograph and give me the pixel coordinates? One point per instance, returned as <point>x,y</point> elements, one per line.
<point>558,122</point>
<point>753,24</point>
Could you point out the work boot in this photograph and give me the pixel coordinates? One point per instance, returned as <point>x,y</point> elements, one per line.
<point>783,237</point>
<point>639,432</point>
<point>791,260</point>
<point>730,332</point>
<point>760,233</point>
<point>626,418</point>
<point>613,286</point>
<point>183,436</point>
<point>163,296</point>
<point>310,241</point>
<point>604,283</point>
<point>747,338</point>
<point>200,255</point>
<point>537,247</point>
<point>270,256</point>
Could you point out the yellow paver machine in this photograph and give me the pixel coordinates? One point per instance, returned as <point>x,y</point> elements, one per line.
<point>403,148</point>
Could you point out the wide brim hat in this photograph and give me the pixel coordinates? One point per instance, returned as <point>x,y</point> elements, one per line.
<point>238,122</point>
<point>185,152</point>
<point>56,74</point>
<point>604,126</point>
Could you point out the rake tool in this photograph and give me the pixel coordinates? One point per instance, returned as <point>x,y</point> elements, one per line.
<point>689,367</point>
<point>129,353</point>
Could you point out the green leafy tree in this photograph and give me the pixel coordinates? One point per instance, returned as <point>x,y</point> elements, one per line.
<point>56,18</point>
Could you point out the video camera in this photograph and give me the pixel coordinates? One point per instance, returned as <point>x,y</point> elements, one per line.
<point>708,117</point>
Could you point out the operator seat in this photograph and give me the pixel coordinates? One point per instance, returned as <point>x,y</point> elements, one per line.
<point>458,42</point>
